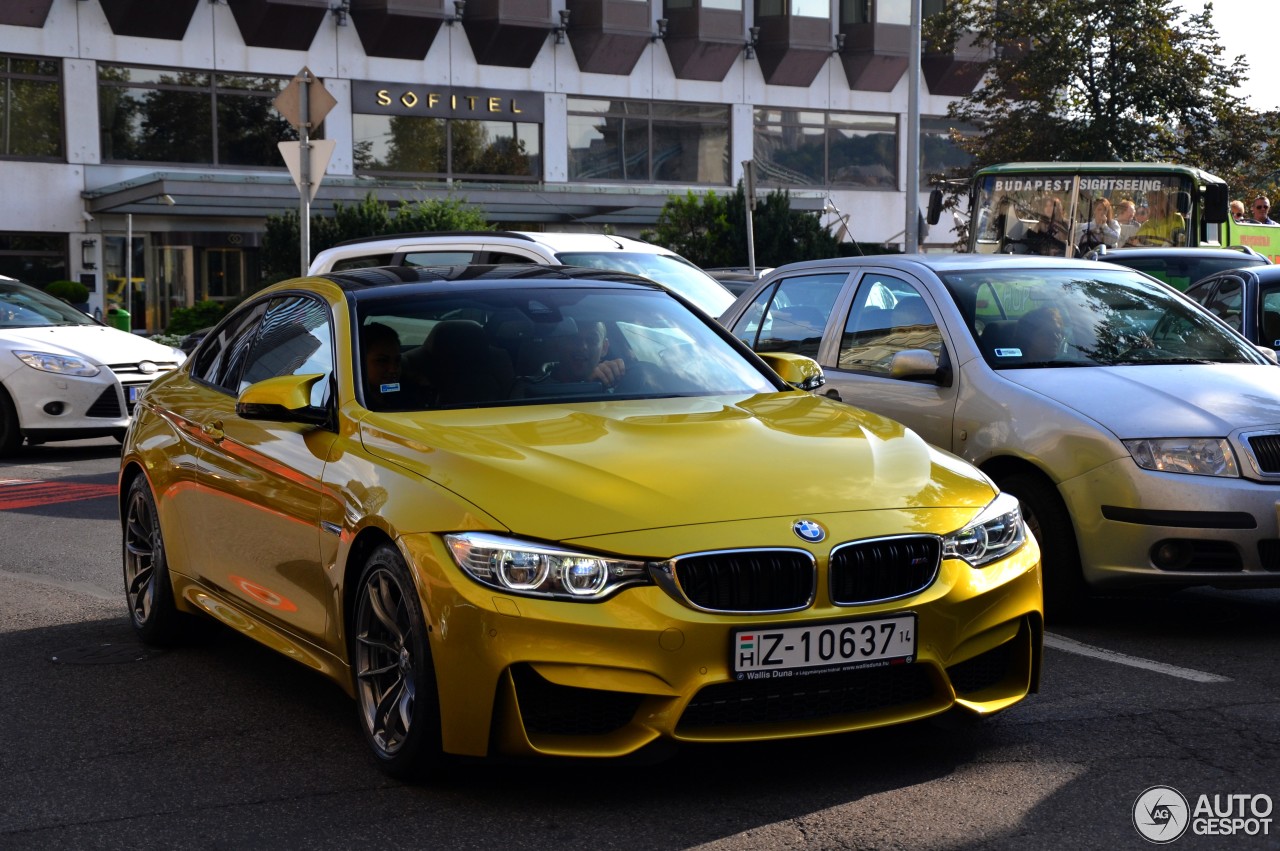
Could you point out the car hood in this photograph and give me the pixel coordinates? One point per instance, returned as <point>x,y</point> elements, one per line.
<point>1193,400</point>
<point>561,472</point>
<point>100,344</point>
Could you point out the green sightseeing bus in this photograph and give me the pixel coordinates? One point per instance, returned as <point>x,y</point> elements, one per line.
<point>1046,208</point>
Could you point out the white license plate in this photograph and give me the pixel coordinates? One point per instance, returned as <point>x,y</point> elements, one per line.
<point>841,646</point>
<point>135,391</point>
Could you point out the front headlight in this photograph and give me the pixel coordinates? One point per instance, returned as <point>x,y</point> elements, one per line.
<point>61,364</point>
<point>537,570</point>
<point>993,534</point>
<point>1199,456</point>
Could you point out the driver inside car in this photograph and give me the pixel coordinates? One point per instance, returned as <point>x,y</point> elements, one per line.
<point>1164,225</point>
<point>1040,334</point>
<point>581,355</point>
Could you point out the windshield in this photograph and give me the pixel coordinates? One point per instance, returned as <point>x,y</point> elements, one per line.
<point>22,306</point>
<point>526,345</point>
<point>1079,318</point>
<point>1070,215</point>
<point>670,270</point>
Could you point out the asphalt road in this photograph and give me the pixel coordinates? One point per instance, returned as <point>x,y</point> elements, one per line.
<point>220,744</point>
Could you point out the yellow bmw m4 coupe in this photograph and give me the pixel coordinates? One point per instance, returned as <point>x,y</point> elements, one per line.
<point>559,511</point>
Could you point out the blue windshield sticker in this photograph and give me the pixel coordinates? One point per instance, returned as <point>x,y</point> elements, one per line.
<point>1008,353</point>
<point>388,388</point>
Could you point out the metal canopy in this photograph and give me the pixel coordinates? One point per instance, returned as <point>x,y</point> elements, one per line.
<point>254,196</point>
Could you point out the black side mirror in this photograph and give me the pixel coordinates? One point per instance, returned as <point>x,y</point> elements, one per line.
<point>935,206</point>
<point>1217,207</point>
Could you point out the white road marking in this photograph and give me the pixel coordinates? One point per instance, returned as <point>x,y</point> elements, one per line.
<point>1058,642</point>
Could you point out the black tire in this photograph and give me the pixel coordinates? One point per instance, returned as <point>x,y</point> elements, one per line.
<point>10,431</point>
<point>1046,516</point>
<point>395,681</point>
<point>147,584</point>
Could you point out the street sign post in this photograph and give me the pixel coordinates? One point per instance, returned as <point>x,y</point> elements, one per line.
<point>749,187</point>
<point>304,102</point>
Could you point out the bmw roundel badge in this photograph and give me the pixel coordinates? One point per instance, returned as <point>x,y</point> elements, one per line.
<point>808,530</point>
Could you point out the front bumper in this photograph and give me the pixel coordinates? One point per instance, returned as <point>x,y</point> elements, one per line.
<point>52,406</point>
<point>1219,531</point>
<point>526,676</point>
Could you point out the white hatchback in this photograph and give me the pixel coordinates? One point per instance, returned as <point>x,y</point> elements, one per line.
<point>64,375</point>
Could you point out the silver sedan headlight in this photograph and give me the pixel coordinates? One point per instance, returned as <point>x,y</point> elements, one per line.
<point>1199,456</point>
<point>538,570</point>
<point>995,533</point>
<point>60,364</point>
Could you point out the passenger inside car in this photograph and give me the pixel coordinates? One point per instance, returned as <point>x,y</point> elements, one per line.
<point>380,362</point>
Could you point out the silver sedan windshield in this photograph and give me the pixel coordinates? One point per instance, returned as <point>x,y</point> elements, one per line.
<point>1070,317</point>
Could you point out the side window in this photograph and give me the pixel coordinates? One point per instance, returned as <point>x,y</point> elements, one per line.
<point>1201,291</point>
<point>797,316</point>
<point>295,339</point>
<point>361,262</point>
<point>888,316</point>
<point>506,257</point>
<point>748,327</point>
<point>222,352</point>
<point>1269,330</point>
<point>461,257</point>
<point>1227,301</point>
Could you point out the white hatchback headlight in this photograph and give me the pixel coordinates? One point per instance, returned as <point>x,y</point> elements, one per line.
<point>60,364</point>
<point>1199,456</point>
<point>537,570</point>
<point>993,534</point>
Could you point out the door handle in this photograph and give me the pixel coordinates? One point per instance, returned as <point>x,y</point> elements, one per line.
<point>213,431</point>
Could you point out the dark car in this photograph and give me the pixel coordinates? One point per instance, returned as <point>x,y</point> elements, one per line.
<point>1182,267</point>
<point>1246,299</point>
<point>737,279</point>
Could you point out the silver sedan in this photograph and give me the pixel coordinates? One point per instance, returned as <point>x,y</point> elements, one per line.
<point>1141,434</point>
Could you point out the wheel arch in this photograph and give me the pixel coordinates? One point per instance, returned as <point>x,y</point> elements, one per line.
<point>1007,465</point>
<point>366,541</point>
<point>131,471</point>
<point>9,413</point>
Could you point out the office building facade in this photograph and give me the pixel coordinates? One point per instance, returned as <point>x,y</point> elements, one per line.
<point>141,138</point>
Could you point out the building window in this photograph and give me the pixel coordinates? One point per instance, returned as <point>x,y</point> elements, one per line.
<point>940,156</point>
<point>33,258</point>
<point>815,148</point>
<point>30,108</point>
<point>153,115</point>
<point>648,142</point>
<point>448,148</point>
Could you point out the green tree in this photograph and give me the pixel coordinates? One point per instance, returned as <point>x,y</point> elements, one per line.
<point>1090,79</point>
<point>281,249</point>
<point>1139,80</point>
<point>711,230</point>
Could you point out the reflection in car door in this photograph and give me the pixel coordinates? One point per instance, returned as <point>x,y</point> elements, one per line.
<point>889,314</point>
<point>260,480</point>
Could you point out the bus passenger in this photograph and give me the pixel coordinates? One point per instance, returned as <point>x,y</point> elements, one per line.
<point>1102,229</point>
<point>1261,205</point>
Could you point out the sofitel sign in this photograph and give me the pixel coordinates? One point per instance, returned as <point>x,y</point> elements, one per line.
<point>429,101</point>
